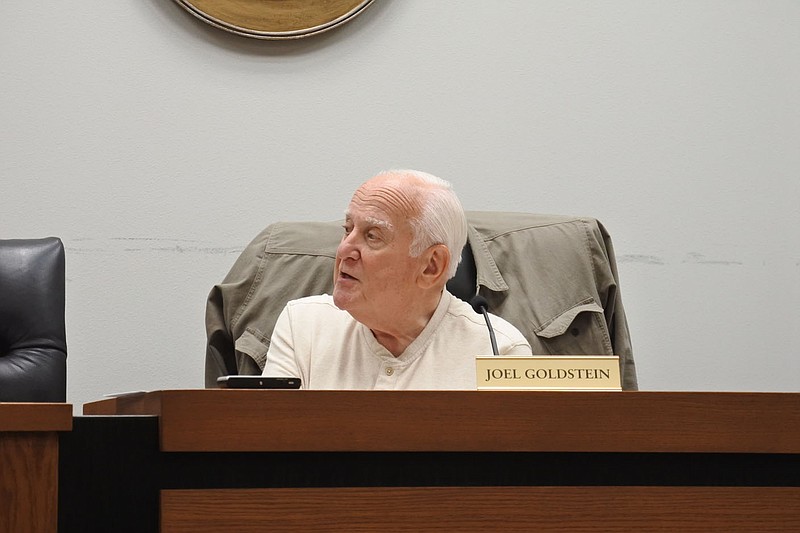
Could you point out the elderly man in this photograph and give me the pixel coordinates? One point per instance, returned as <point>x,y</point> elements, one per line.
<point>390,323</point>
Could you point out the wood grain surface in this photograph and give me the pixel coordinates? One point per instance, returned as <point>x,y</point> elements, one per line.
<point>574,509</point>
<point>29,465</point>
<point>35,416</point>
<point>279,420</point>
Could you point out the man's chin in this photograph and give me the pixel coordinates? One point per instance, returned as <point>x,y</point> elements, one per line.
<point>340,301</point>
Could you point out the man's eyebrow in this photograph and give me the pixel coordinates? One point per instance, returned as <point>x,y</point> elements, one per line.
<point>372,221</point>
<point>379,223</point>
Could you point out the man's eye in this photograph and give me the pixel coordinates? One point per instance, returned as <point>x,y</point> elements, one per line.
<point>347,230</point>
<point>372,236</point>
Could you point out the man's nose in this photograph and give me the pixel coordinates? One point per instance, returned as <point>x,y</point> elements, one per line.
<point>349,247</point>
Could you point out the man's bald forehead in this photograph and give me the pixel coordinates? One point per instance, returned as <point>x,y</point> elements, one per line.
<point>393,193</point>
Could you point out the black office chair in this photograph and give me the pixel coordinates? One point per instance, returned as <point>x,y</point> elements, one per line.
<point>464,283</point>
<point>33,346</point>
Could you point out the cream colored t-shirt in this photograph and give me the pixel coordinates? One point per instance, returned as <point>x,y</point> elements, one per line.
<point>328,349</point>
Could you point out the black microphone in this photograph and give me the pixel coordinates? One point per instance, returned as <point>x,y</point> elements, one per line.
<point>481,306</point>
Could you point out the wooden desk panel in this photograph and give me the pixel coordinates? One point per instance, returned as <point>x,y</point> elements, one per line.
<point>35,416</point>
<point>29,465</point>
<point>444,509</point>
<point>252,460</point>
<point>278,420</point>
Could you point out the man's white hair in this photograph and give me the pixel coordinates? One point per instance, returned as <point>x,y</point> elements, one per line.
<point>441,219</point>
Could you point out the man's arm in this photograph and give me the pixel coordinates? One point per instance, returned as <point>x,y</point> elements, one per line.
<point>281,360</point>
<point>510,340</point>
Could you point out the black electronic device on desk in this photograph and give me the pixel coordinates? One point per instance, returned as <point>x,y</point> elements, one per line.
<point>257,382</point>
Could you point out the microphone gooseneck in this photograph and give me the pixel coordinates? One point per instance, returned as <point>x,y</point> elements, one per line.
<point>481,306</point>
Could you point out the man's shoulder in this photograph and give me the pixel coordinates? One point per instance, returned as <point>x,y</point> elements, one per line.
<point>464,311</point>
<point>461,309</point>
<point>317,325</point>
<point>319,310</point>
<point>315,315</point>
<point>321,301</point>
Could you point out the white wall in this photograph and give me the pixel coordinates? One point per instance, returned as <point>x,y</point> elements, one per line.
<point>157,146</point>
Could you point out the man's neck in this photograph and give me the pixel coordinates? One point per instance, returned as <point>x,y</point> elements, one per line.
<point>401,332</point>
<point>395,344</point>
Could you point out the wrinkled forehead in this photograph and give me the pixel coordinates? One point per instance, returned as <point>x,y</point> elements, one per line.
<point>384,199</point>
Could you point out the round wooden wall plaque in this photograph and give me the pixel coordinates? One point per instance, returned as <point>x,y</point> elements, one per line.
<point>275,19</point>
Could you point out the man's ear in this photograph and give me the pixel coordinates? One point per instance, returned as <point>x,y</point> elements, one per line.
<point>436,263</point>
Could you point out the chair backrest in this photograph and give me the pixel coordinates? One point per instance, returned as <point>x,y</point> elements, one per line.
<point>464,282</point>
<point>33,347</point>
<point>553,277</point>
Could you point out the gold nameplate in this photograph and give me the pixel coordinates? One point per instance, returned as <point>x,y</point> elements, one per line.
<point>549,372</point>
